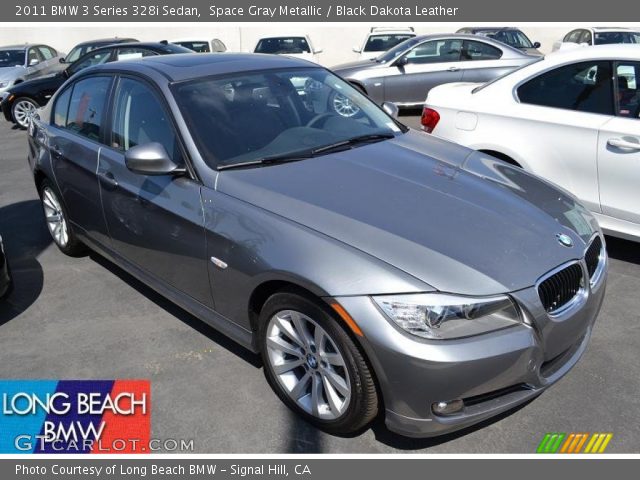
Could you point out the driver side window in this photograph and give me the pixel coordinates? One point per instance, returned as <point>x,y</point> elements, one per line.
<point>139,117</point>
<point>435,51</point>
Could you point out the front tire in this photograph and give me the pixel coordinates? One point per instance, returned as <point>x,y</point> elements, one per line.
<point>58,221</point>
<point>22,110</point>
<point>314,366</point>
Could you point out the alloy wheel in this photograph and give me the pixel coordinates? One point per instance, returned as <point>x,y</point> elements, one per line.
<point>308,365</point>
<point>54,216</point>
<point>344,106</point>
<point>23,110</point>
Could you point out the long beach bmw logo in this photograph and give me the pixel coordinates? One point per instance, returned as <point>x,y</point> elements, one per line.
<point>564,240</point>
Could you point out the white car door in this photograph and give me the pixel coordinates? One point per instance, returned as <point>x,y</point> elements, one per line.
<point>619,149</point>
<point>561,112</point>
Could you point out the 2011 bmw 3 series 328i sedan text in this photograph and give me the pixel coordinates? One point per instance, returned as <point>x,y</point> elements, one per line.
<point>377,270</point>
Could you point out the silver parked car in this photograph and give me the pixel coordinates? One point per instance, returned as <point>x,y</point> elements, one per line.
<point>23,62</point>
<point>377,270</point>
<point>405,74</point>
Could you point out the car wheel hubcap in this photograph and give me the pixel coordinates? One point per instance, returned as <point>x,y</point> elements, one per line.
<point>23,111</point>
<point>55,217</point>
<point>344,106</point>
<point>308,365</point>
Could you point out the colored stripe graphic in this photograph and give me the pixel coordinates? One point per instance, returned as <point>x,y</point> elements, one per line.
<point>75,416</point>
<point>574,442</point>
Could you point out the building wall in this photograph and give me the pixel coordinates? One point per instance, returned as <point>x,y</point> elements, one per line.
<point>336,40</point>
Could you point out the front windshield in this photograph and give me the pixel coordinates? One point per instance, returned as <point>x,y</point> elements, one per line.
<point>248,117</point>
<point>397,50</point>
<point>383,42</point>
<point>283,45</point>
<point>603,38</point>
<point>513,38</point>
<point>11,58</point>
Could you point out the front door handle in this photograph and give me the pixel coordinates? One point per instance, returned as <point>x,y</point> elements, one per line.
<point>108,180</point>
<point>56,151</point>
<point>623,144</point>
<point>453,69</point>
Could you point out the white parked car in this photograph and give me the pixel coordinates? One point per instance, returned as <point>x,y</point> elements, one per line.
<point>297,46</point>
<point>201,46</point>
<point>572,118</point>
<point>381,39</point>
<point>597,36</point>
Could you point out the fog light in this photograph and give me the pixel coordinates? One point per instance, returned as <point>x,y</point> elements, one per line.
<point>447,408</point>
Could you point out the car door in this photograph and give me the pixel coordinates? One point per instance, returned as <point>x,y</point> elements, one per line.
<point>481,62</point>
<point>155,222</point>
<point>408,80</point>
<point>74,143</point>
<point>560,114</point>
<point>619,148</point>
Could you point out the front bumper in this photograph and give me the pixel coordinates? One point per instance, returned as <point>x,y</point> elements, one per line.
<point>491,373</point>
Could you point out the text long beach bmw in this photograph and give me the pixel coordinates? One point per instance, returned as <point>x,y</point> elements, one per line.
<point>369,264</point>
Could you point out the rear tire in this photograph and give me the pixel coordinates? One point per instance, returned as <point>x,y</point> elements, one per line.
<point>58,221</point>
<point>22,110</point>
<point>314,366</point>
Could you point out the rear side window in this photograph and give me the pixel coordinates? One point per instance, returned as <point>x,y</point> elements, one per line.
<point>130,53</point>
<point>87,106</point>
<point>479,51</point>
<point>61,108</point>
<point>139,117</point>
<point>583,87</point>
<point>628,89</point>
<point>46,52</point>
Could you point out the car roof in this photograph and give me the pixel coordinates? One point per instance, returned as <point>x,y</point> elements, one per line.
<point>157,45</point>
<point>613,29</point>
<point>176,68</point>
<point>626,51</point>
<point>20,47</point>
<point>106,41</point>
<point>470,36</point>
<point>489,29</point>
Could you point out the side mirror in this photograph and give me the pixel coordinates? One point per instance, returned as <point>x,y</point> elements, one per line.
<point>391,108</point>
<point>537,45</point>
<point>62,60</point>
<point>33,62</point>
<point>318,50</point>
<point>402,61</point>
<point>151,159</point>
<point>356,49</point>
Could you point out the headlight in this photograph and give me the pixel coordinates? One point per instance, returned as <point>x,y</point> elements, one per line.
<point>442,316</point>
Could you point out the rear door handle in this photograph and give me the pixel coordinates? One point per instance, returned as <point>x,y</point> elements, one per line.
<point>453,69</point>
<point>623,144</point>
<point>108,180</point>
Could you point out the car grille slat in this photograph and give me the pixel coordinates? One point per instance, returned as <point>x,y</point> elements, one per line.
<point>592,256</point>
<point>560,288</point>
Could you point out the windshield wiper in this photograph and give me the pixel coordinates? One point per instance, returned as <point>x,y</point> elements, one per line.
<point>303,155</point>
<point>370,137</point>
<point>270,160</point>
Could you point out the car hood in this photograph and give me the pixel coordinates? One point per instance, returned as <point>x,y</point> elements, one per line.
<point>53,80</point>
<point>10,73</point>
<point>458,220</point>
<point>345,68</point>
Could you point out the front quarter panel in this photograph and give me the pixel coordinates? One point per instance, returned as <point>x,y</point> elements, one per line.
<point>258,246</point>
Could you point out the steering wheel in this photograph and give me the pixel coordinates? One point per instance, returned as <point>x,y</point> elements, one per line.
<point>318,118</point>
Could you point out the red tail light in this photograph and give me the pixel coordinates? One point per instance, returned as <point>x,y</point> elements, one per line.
<point>430,119</point>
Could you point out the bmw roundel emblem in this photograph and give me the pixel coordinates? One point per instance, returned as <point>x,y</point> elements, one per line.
<point>564,240</point>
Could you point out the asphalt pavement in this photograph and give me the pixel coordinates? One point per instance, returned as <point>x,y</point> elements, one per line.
<point>84,318</point>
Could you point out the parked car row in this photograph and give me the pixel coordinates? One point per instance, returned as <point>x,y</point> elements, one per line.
<point>23,99</point>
